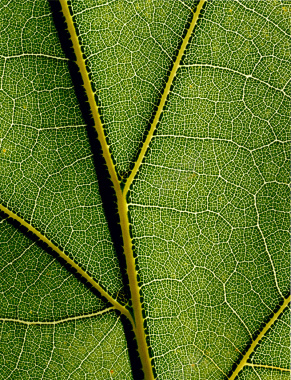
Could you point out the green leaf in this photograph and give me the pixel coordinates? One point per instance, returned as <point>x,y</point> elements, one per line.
<point>162,250</point>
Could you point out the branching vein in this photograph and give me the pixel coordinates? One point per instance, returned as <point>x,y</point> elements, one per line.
<point>259,337</point>
<point>164,97</point>
<point>69,261</point>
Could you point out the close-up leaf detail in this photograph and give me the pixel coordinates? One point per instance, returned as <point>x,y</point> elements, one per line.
<point>145,189</point>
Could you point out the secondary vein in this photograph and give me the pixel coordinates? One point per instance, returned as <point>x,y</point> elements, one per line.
<point>254,344</point>
<point>59,321</point>
<point>68,260</point>
<point>164,97</point>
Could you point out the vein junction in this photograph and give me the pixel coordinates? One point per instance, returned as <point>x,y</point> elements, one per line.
<point>138,324</point>
<point>164,96</point>
<point>68,260</point>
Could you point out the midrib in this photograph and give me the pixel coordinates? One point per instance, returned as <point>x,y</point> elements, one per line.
<point>138,322</point>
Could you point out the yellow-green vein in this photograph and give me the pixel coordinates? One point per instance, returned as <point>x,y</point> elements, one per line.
<point>268,367</point>
<point>164,97</point>
<point>59,321</point>
<point>69,261</point>
<point>254,344</point>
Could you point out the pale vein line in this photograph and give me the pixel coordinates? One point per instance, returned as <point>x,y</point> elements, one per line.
<point>247,76</point>
<point>51,354</point>
<point>69,261</point>
<point>44,185</point>
<point>69,319</point>
<point>34,55</point>
<point>266,247</point>
<point>265,18</point>
<point>268,366</point>
<point>210,139</point>
<point>183,211</point>
<point>204,354</point>
<point>259,337</point>
<point>104,338</point>
<point>10,263</point>
<point>233,309</point>
<point>185,5</point>
<point>20,354</point>
<point>49,128</point>
<point>94,7</point>
<point>163,98</point>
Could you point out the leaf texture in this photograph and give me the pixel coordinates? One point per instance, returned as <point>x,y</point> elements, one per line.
<point>191,104</point>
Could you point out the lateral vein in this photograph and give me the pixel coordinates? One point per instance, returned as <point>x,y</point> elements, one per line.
<point>68,260</point>
<point>164,97</point>
<point>254,344</point>
<point>269,367</point>
<point>69,319</point>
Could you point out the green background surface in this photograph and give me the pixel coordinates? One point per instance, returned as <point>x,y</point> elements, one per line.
<point>209,206</point>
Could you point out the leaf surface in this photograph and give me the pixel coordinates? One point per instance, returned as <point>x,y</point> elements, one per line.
<point>191,104</point>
